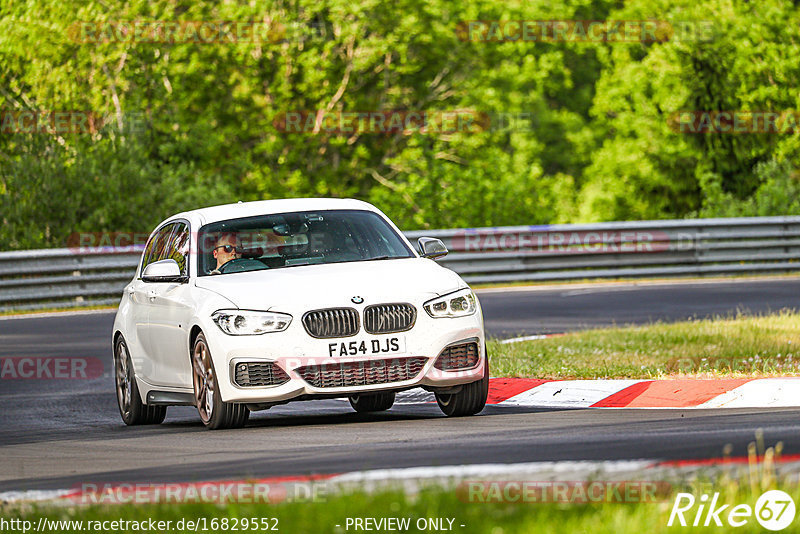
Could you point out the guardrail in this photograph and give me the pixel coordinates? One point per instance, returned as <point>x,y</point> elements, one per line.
<point>671,248</point>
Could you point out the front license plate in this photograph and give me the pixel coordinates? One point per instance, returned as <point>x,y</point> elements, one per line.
<point>368,347</point>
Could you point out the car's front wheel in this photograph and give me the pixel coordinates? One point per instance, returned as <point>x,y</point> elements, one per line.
<point>214,412</point>
<point>372,402</point>
<point>131,407</point>
<point>470,400</point>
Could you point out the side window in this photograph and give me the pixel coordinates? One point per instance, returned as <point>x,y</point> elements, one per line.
<point>148,251</point>
<point>178,247</point>
<point>171,242</point>
<point>156,246</point>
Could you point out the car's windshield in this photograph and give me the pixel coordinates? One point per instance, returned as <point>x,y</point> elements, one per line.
<point>299,238</point>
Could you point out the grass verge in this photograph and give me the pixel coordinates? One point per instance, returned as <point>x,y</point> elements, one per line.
<point>730,347</point>
<point>331,515</point>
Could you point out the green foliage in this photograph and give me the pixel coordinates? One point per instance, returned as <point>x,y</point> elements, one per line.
<point>778,193</point>
<point>192,124</point>
<point>644,169</point>
<point>112,184</point>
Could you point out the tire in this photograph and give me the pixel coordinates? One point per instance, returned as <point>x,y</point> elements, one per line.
<point>470,400</point>
<point>372,402</point>
<point>131,407</point>
<point>214,413</point>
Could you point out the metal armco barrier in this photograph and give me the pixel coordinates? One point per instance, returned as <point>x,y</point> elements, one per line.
<point>693,247</point>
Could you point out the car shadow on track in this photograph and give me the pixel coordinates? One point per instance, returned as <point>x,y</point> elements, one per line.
<point>342,414</point>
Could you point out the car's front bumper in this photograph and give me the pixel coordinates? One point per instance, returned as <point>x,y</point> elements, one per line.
<point>294,349</point>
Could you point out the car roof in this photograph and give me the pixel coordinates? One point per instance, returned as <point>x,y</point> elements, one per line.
<point>266,207</point>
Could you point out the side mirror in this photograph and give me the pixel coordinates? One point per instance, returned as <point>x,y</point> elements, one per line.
<point>431,248</point>
<point>162,271</point>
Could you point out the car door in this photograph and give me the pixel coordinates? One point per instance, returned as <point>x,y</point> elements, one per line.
<point>140,293</point>
<point>169,313</point>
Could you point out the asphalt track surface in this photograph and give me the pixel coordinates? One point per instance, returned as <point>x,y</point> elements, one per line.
<point>56,434</point>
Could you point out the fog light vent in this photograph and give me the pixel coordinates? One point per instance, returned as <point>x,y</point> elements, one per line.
<point>258,374</point>
<point>458,357</point>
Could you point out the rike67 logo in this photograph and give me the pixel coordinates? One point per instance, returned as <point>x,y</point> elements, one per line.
<point>774,510</point>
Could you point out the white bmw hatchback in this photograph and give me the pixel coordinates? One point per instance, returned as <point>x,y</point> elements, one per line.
<point>242,307</point>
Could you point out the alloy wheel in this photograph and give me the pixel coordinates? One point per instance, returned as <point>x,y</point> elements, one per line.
<point>203,381</point>
<point>124,380</point>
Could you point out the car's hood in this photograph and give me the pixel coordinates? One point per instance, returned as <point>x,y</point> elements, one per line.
<point>334,285</point>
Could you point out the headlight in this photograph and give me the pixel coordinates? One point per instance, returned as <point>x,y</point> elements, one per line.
<point>250,323</point>
<point>458,304</point>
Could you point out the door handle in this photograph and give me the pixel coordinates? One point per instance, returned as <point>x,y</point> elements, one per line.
<point>151,294</point>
